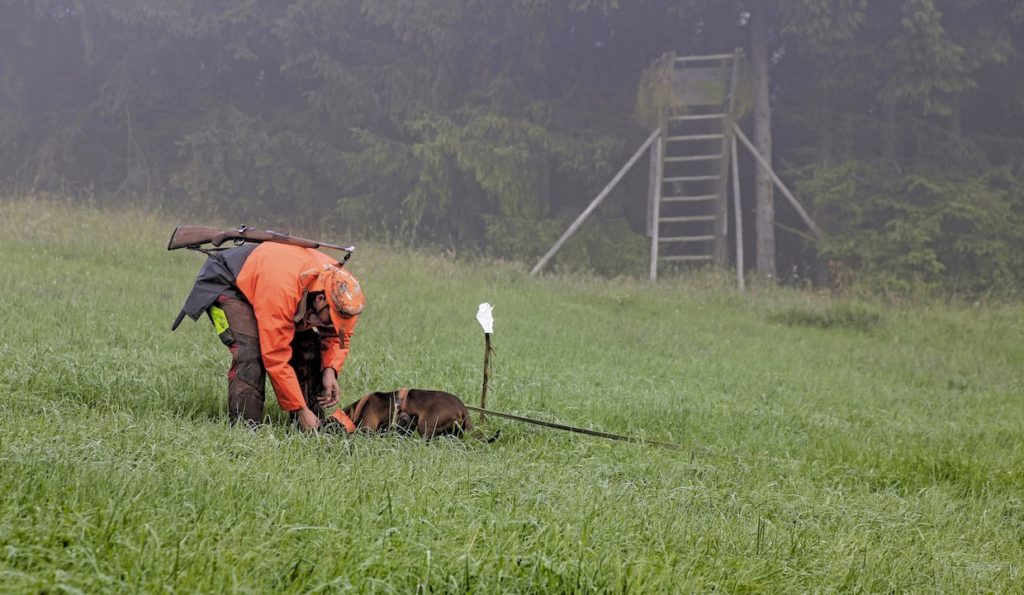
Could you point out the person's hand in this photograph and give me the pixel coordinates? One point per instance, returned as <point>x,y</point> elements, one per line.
<point>332,392</point>
<point>308,420</point>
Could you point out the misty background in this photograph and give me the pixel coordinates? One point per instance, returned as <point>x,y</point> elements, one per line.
<point>485,126</point>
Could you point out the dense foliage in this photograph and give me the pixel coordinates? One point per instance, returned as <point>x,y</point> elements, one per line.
<point>489,125</point>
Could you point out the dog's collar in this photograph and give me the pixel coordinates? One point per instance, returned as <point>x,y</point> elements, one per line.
<point>401,395</point>
<point>400,401</point>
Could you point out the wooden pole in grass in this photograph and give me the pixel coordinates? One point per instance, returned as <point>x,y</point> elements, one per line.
<point>486,319</point>
<point>739,214</point>
<point>487,371</point>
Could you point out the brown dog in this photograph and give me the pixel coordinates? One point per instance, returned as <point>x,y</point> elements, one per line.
<point>431,412</point>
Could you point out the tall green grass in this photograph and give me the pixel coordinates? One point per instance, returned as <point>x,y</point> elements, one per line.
<point>830,447</point>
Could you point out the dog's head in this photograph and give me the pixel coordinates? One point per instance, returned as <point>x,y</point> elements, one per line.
<point>374,411</point>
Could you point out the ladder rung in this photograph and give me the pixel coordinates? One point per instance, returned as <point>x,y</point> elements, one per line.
<point>695,137</point>
<point>701,198</point>
<point>693,158</point>
<point>687,218</point>
<point>687,239</point>
<point>704,58</point>
<point>696,117</point>
<point>691,179</point>
<point>687,257</point>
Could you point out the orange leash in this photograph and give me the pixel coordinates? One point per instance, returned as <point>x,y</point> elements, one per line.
<point>340,417</point>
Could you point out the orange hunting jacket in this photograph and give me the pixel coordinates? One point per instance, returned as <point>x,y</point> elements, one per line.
<point>271,280</point>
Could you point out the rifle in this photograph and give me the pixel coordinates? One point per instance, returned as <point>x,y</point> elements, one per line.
<point>194,236</point>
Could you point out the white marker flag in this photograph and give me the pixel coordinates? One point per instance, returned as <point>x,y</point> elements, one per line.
<point>483,315</point>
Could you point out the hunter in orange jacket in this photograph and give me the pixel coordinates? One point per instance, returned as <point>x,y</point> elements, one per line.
<point>272,296</point>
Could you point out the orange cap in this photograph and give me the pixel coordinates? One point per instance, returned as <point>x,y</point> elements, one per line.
<point>343,291</point>
<point>341,288</point>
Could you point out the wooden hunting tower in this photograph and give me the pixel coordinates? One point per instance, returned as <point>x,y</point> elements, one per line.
<point>690,103</point>
<point>687,207</point>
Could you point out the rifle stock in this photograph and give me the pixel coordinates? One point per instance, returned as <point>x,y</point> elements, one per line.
<point>193,236</point>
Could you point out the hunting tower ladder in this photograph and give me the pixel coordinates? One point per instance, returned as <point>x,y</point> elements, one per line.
<point>687,214</point>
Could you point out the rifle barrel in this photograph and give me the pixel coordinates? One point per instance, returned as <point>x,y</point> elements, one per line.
<point>185,236</point>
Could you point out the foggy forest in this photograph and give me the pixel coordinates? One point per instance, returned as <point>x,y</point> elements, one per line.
<point>486,127</point>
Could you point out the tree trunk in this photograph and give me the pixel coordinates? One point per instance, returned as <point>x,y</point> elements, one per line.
<point>765,215</point>
<point>827,130</point>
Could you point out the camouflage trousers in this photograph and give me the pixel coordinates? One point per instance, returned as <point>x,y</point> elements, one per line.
<point>247,377</point>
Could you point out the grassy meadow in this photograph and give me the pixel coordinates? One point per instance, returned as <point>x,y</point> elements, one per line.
<point>829,445</point>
